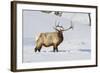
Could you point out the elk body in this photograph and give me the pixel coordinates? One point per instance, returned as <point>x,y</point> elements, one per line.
<point>48,39</point>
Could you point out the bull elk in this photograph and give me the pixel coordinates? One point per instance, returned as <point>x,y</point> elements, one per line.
<point>48,39</point>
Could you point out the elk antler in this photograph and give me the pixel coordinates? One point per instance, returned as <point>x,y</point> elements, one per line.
<point>56,25</point>
<point>62,28</point>
<point>71,27</point>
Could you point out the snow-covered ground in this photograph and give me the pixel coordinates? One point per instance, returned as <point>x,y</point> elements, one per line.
<point>72,49</point>
<point>47,54</point>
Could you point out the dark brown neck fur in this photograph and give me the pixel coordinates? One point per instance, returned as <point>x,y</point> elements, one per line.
<point>60,34</point>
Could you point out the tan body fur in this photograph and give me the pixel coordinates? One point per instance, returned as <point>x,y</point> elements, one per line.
<point>49,39</point>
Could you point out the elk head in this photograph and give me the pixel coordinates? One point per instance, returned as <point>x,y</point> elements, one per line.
<point>60,28</point>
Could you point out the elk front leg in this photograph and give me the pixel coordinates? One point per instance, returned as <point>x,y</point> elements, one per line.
<point>55,49</point>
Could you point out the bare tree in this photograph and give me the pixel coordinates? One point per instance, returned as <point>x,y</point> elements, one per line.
<point>89,15</point>
<point>57,13</point>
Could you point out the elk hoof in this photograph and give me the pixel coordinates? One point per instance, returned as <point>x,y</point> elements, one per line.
<point>36,49</point>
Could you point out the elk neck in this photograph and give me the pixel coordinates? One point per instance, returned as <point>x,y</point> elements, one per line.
<point>60,34</point>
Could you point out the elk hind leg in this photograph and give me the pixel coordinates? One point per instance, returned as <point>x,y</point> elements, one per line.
<point>36,49</point>
<point>39,49</point>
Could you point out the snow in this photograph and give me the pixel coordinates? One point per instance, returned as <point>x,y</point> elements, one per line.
<point>72,49</point>
<point>75,46</point>
<point>47,54</point>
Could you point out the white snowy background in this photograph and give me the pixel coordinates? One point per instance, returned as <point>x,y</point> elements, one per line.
<point>75,46</point>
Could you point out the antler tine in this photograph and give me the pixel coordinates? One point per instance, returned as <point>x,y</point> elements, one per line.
<point>56,23</point>
<point>71,27</point>
<point>56,26</point>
